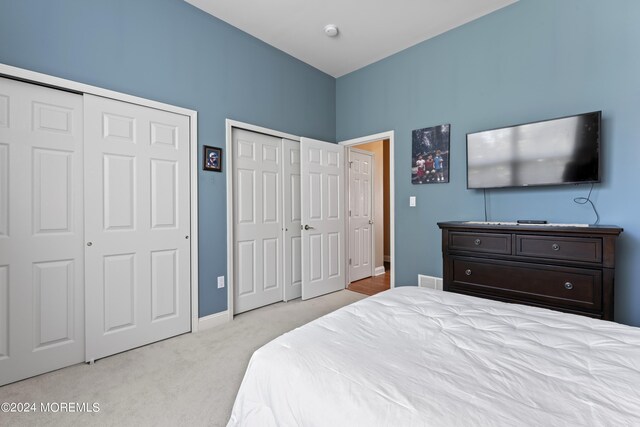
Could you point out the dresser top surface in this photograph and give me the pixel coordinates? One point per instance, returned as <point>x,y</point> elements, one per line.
<point>531,228</point>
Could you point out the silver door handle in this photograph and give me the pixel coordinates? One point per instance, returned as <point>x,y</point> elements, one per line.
<point>308,227</point>
<point>370,221</point>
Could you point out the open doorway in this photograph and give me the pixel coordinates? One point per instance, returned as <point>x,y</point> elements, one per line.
<point>369,196</point>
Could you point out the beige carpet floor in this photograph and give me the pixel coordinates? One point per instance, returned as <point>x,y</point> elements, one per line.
<point>187,380</point>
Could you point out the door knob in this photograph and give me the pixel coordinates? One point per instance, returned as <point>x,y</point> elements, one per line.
<point>370,221</point>
<point>308,227</point>
<point>89,244</point>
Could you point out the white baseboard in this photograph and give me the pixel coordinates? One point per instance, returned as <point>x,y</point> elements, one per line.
<point>387,258</point>
<point>379,271</point>
<point>213,320</point>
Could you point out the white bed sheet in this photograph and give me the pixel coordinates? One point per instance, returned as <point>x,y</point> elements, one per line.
<point>412,357</point>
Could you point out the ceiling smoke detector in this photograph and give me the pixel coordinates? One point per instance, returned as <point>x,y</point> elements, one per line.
<point>331,30</point>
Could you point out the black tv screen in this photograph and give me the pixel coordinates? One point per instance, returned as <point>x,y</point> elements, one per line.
<point>551,152</point>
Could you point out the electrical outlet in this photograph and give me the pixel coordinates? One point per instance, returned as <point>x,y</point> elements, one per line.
<point>220,282</point>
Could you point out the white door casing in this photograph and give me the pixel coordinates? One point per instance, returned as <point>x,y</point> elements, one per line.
<point>258,220</point>
<point>41,230</point>
<point>390,136</point>
<point>137,225</point>
<point>292,214</point>
<point>361,233</point>
<point>323,222</point>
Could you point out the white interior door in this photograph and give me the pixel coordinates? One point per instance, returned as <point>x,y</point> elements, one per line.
<point>137,225</point>
<point>292,215</point>
<point>322,196</point>
<point>41,230</point>
<point>361,239</point>
<point>258,223</point>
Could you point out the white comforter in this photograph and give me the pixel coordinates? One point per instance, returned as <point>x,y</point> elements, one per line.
<point>413,357</point>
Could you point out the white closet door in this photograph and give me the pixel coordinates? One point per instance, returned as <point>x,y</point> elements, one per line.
<point>360,216</point>
<point>322,197</point>
<point>136,224</point>
<point>41,246</point>
<point>258,220</point>
<point>292,214</point>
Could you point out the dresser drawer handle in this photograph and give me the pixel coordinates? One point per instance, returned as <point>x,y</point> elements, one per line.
<point>568,286</point>
<point>477,242</point>
<point>555,247</point>
<point>467,272</point>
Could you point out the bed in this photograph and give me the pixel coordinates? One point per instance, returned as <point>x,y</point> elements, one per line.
<point>413,356</point>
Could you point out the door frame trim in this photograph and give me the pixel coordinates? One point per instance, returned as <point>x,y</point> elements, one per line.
<point>29,76</point>
<point>390,135</point>
<point>230,125</point>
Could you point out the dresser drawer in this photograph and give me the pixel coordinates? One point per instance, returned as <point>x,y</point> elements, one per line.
<point>561,248</point>
<point>493,243</point>
<point>556,286</point>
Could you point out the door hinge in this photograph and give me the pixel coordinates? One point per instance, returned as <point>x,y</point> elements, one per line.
<point>350,164</point>
<point>349,261</point>
<point>349,212</point>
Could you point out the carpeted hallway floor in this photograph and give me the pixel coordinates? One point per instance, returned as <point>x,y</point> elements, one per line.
<point>188,380</point>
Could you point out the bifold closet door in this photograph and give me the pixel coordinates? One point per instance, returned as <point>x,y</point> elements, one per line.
<point>137,225</point>
<point>292,216</point>
<point>257,222</point>
<point>41,230</point>
<point>322,198</point>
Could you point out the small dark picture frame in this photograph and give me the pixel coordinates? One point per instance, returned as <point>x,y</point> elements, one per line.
<point>212,159</point>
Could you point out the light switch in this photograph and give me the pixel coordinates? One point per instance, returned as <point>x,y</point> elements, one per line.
<point>412,201</point>
<point>220,282</point>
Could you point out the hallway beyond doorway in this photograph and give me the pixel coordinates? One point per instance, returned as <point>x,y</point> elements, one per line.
<point>373,285</point>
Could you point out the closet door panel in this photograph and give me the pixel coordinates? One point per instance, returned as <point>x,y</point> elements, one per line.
<point>137,225</point>
<point>292,214</point>
<point>257,206</point>
<point>322,181</point>
<point>41,230</point>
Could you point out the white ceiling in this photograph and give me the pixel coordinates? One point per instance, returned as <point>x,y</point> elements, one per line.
<point>370,30</point>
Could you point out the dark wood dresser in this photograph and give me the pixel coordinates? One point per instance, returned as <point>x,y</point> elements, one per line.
<point>563,268</point>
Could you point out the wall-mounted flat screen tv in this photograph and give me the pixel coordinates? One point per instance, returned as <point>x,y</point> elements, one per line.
<point>550,152</point>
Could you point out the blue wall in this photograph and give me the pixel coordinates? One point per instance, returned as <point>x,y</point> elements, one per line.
<point>533,60</point>
<point>169,51</point>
